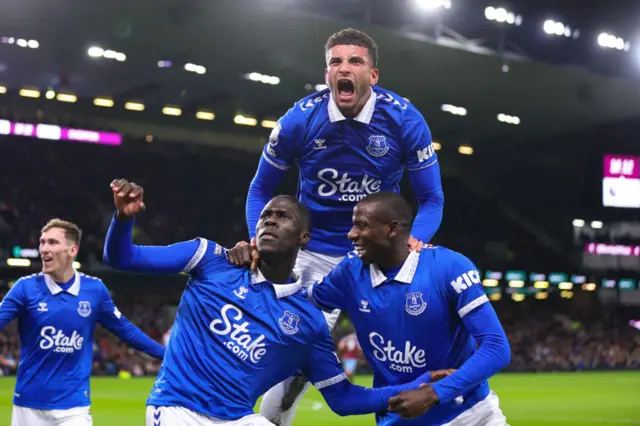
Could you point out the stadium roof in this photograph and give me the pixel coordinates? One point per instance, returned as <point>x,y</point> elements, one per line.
<point>279,38</point>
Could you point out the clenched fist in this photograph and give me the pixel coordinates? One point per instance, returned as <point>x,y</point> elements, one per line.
<point>127,197</point>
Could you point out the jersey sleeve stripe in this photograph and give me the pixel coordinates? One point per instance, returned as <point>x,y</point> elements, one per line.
<point>472,305</point>
<point>273,163</point>
<point>423,167</point>
<point>197,257</point>
<point>330,382</point>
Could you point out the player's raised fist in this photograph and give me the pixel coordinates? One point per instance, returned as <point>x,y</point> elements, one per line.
<point>127,197</point>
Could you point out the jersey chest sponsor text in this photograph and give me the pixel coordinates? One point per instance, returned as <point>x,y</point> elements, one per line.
<point>55,340</point>
<point>240,341</point>
<point>346,187</point>
<point>403,359</point>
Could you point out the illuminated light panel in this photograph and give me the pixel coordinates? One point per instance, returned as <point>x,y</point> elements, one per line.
<point>134,106</point>
<point>205,115</point>
<point>173,111</point>
<point>29,93</point>
<point>436,145</point>
<point>245,121</point>
<point>66,97</point>
<point>489,282</point>
<point>465,150</point>
<point>19,262</point>
<point>103,102</point>
<point>268,124</point>
<point>3,90</point>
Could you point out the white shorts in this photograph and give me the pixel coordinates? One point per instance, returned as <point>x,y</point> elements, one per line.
<point>312,267</point>
<point>180,416</point>
<point>23,416</point>
<point>485,413</point>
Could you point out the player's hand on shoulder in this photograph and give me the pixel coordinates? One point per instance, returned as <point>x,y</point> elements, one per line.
<point>244,254</point>
<point>413,403</point>
<point>127,197</point>
<point>415,244</point>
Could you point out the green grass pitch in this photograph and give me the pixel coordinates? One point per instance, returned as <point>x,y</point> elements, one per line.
<point>553,399</point>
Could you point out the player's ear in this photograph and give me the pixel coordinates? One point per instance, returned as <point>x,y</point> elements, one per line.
<point>74,250</point>
<point>374,76</point>
<point>305,237</point>
<point>393,228</point>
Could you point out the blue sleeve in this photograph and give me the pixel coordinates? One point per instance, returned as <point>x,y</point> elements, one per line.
<point>12,304</point>
<point>115,322</point>
<point>261,190</point>
<point>191,257</point>
<point>472,305</point>
<point>332,291</point>
<point>345,399</point>
<point>424,174</point>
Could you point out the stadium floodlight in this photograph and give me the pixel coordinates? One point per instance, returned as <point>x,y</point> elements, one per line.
<point>502,15</point>
<point>22,42</point>
<point>50,94</point>
<point>557,28</point>
<point>610,41</point>
<point>578,223</point>
<point>174,111</point>
<point>320,87</point>
<point>542,295</point>
<point>3,90</point>
<point>164,64</point>
<point>76,265</point>
<point>33,44</point>
<point>134,106</point>
<point>95,52</point>
<point>268,124</point>
<point>596,224</point>
<point>67,97</point>
<point>29,93</point>
<point>436,145</point>
<point>103,102</point>
<point>262,78</point>
<point>517,297</point>
<point>455,110</point>
<point>509,119</point>
<point>245,121</point>
<point>120,57</point>
<point>431,5</point>
<point>465,150</point>
<point>589,286</point>
<point>198,69</point>
<point>490,282</point>
<point>205,115</point>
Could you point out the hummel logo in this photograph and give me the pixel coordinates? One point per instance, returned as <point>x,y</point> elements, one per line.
<point>241,292</point>
<point>365,306</point>
<point>319,144</point>
<point>43,307</point>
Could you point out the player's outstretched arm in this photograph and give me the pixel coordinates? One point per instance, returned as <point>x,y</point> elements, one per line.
<point>118,324</point>
<point>12,304</point>
<point>424,175</point>
<point>261,190</point>
<point>344,398</point>
<point>121,253</point>
<point>463,285</point>
<point>333,290</point>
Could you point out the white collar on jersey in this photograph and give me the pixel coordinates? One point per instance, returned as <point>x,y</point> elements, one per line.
<point>364,116</point>
<point>54,288</point>
<point>405,275</point>
<point>282,290</point>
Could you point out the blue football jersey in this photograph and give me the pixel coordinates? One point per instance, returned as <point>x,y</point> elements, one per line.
<point>56,329</point>
<point>342,160</point>
<point>412,323</point>
<point>236,335</point>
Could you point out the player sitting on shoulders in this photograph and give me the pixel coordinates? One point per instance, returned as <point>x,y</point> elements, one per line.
<point>238,332</point>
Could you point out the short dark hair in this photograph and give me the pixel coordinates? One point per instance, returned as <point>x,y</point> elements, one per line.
<point>353,37</point>
<point>303,211</point>
<point>71,230</point>
<point>393,207</point>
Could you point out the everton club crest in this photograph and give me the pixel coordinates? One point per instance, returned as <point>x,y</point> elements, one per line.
<point>377,146</point>
<point>414,304</point>
<point>84,309</point>
<point>289,322</point>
